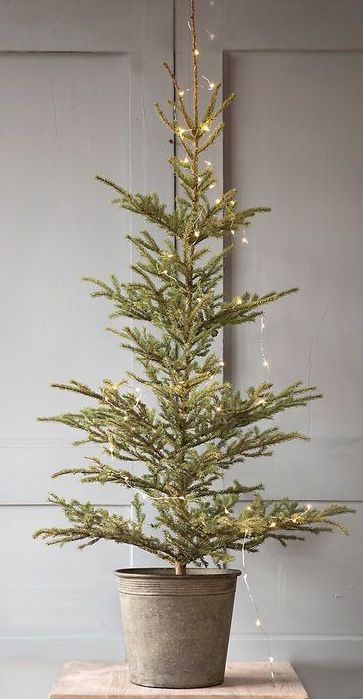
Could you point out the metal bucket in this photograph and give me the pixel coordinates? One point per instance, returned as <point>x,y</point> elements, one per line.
<point>176,627</point>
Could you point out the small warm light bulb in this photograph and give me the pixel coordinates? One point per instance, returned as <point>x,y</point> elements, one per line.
<point>221,363</point>
<point>126,417</point>
<point>308,507</point>
<point>233,232</point>
<point>262,323</point>
<point>196,52</point>
<point>245,241</point>
<point>270,659</point>
<point>218,409</point>
<point>272,525</point>
<point>181,93</point>
<point>200,179</point>
<point>232,202</point>
<point>205,127</point>
<point>196,234</point>
<point>249,508</point>
<point>181,131</point>
<point>226,512</point>
<point>181,497</point>
<point>208,163</point>
<point>217,201</point>
<point>212,36</point>
<point>238,301</point>
<point>258,622</point>
<point>211,86</point>
<point>261,401</point>
<point>212,185</point>
<point>186,159</point>
<point>266,364</point>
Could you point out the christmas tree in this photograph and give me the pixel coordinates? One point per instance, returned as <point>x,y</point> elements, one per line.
<point>200,427</point>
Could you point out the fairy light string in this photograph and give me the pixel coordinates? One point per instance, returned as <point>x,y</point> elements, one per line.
<point>258,621</point>
<point>265,363</point>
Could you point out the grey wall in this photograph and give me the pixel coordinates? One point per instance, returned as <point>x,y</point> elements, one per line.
<point>293,142</point>
<point>77,82</point>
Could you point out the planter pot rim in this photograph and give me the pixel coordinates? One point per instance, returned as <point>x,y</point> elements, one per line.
<point>169,573</point>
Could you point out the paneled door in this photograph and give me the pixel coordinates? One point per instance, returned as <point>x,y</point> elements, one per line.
<point>77,82</point>
<point>293,141</point>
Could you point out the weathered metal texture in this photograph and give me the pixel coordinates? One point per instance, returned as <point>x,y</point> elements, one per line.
<point>176,628</point>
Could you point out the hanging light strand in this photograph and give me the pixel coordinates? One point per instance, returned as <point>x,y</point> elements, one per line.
<point>265,363</point>
<point>258,621</point>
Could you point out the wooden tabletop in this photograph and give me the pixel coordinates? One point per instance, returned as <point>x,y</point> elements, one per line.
<point>81,680</point>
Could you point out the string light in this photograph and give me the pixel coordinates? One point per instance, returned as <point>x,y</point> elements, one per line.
<point>196,52</point>
<point>212,185</point>
<point>181,93</point>
<point>186,159</point>
<point>208,163</point>
<point>233,232</point>
<point>205,127</point>
<point>211,85</point>
<point>264,360</point>
<point>196,234</point>
<point>245,240</point>
<point>258,621</point>
<point>217,201</point>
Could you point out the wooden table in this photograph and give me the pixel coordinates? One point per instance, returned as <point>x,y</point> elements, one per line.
<point>80,680</point>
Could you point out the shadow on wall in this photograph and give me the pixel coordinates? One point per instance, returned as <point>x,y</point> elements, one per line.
<point>331,682</point>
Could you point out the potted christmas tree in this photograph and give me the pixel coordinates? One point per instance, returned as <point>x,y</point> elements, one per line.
<point>177,618</point>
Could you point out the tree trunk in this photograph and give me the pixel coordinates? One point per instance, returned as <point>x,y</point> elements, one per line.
<point>180,568</point>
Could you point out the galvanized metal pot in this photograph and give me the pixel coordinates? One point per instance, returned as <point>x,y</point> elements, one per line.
<point>176,627</point>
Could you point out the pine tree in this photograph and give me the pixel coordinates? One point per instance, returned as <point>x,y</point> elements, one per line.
<point>200,426</point>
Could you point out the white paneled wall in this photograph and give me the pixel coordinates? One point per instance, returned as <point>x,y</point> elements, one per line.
<point>77,82</point>
<point>292,141</point>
